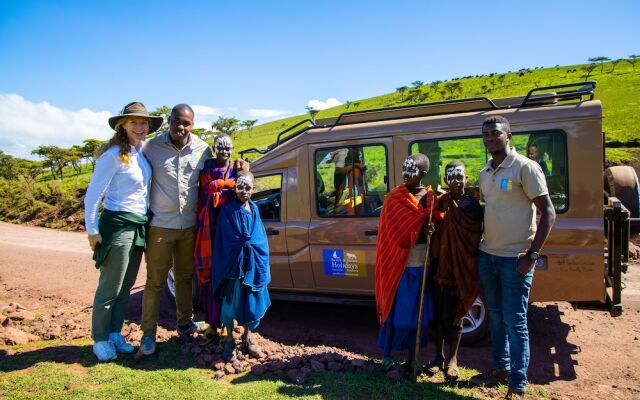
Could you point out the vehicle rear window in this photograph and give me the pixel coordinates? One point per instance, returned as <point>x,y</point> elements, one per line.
<point>351,181</point>
<point>548,148</point>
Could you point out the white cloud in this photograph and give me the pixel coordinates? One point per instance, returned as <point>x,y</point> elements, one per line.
<point>205,115</point>
<point>25,125</point>
<point>267,113</point>
<point>321,105</point>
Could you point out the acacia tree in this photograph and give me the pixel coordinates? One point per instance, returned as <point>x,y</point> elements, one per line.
<point>7,166</point>
<point>614,63</point>
<point>347,104</point>
<point>588,70</point>
<point>165,113</point>
<point>227,126</point>
<point>601,60</point>
<point>55,158</point>
<point>90,149</point>
<point>401,91</point>
<point>28,169</point>
<point>452,88</point>
<point>417,84</point>
<point>75,156</point>
<point>633,59</point>
<point>312,112</point>
<point>248,124</point>
<point>434,85</point>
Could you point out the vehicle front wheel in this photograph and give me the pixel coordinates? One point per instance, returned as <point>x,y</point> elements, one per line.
<point>475,324</point>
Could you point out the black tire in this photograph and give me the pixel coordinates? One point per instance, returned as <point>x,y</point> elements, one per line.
<point>475,324</point>
<point>170,290</point>
<point>622,182</point>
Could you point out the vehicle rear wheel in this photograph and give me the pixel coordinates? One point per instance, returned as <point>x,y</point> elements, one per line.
<point>170,290</point>
<point>622,182</point>
<point>475,324</point>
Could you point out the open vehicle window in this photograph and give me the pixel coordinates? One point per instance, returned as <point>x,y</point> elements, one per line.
<point>351,181</point>
<point>548,149</point>
<point>266,195</point>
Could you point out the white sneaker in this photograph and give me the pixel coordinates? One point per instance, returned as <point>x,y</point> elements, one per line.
<point>119,344</point>
<point>104,351</point>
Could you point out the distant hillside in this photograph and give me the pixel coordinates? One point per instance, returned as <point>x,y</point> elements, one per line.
<point>58,203</point>
<point>619,92</point>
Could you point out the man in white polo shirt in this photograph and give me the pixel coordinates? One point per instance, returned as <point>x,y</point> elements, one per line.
<point>513,187</point>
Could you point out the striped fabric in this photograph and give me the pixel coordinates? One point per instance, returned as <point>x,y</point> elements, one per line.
<point>203,251</point>
<point>400,222</point>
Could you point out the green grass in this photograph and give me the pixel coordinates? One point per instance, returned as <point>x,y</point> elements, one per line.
<point>68,370</point>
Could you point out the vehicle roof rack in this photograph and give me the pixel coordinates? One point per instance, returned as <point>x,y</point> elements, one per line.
<point>533,98</point>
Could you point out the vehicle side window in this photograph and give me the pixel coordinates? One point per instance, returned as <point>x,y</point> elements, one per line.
<point>266,195</point>
<point>549,149</point>
<point>351,181</point>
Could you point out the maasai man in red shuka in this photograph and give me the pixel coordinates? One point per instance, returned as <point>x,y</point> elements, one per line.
<point>453,275</point>
<point>218,173</point>
<point>400,256</point>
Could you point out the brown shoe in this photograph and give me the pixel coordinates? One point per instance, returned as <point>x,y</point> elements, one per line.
<point>513,395</point>
<point>490,378</point>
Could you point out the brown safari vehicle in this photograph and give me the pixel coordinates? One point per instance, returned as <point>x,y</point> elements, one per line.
<point>320,191</point>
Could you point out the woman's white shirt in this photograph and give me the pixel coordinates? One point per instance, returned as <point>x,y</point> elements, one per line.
<point>124,187</point>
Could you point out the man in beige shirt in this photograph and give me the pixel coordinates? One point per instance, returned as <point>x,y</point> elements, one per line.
<point>513,187</point>
<point>177,157</point>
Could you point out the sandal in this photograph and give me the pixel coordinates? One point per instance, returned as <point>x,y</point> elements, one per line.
<point>387,364</point>
<point>435,366</point>
<point>452,372</point>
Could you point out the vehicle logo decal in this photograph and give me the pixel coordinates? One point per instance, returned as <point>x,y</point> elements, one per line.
<point>341,262</point>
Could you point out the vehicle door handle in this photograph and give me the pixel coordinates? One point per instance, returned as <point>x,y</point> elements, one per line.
<point>272,232</point>
<point>371,232</point>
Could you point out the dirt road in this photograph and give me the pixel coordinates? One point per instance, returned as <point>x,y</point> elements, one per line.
<point>574,354</point>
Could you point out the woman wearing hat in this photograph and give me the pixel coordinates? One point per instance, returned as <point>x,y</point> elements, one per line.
<point>121,177</point>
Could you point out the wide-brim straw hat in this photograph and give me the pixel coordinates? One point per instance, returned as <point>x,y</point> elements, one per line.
<point>137,109</point>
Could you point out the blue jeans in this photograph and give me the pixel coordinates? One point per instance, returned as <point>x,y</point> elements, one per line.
<point>506,292</point>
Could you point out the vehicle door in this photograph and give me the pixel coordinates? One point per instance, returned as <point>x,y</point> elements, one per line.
<point>272,208</point>
<point>351,180</point>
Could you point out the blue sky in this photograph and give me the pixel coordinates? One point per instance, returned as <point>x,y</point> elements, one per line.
<point>65,66</point>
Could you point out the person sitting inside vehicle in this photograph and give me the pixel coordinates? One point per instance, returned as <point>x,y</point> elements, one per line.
<point>532,154</point>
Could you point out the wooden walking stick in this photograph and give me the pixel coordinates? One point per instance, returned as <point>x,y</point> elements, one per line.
<point>424,284</point>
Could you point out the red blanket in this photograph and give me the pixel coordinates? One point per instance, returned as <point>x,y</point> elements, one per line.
<point>203,251</point>
<point>400,222</point>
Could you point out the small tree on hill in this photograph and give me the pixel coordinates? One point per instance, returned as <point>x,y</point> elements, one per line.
<point>8,166</point>
<point>248,124</point>
<point>588,70</point>
<point>55,158</point>
<point>228,126</point>
<point>90,150</point>
<point>633,59</point>
<point>356,104</point>
<point>417,84</point>
<point>401,91</point>
<point>312,112</point>
<point>75,156</point>
<point>601,60</point>
<point>28,169</point>
<point>434,85</point>
<point>347,104</point>
<point>614,63</point>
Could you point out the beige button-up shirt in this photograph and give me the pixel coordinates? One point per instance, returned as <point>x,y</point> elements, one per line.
<point>174,185</point>
<point>509,213</point>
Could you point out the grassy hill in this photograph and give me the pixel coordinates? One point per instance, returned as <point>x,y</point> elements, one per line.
<point>57,203</point>
<point>619,92</point>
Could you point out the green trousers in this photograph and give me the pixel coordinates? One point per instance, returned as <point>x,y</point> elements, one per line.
<point>118,273</point>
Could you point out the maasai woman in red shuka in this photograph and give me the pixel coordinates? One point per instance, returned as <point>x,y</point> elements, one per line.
<point>218,173</point>
<point>400,255</point>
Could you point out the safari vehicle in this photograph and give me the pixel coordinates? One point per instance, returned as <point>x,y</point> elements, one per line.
<point>320,191</point>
